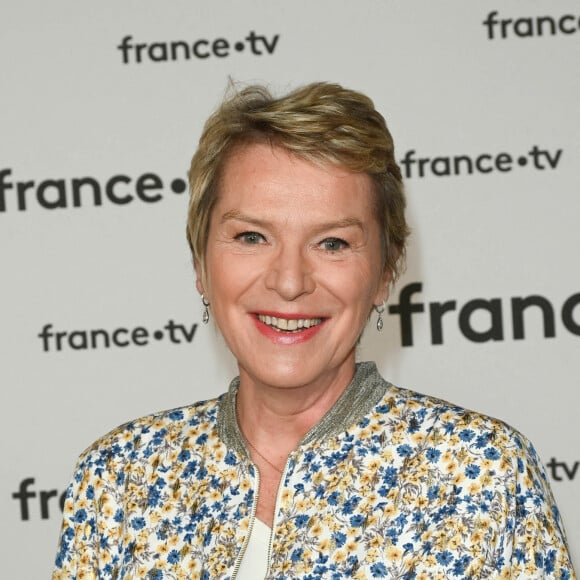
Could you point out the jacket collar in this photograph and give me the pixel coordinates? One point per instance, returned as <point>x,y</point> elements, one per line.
<point>364,392</point>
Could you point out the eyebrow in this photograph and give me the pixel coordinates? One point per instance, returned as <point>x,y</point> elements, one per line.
<point>235,214</point>
<point>347,222</point>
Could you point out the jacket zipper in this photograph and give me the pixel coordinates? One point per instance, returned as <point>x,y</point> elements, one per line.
<point>253,519</point>
<point>280,490</point>
<point>250,527</point>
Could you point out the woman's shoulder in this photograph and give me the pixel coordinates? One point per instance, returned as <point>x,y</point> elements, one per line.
<point>146,436</point>
<point>451,426</point>
<point>419,413</point>
<point>447,414</point>
<point>453,436</point>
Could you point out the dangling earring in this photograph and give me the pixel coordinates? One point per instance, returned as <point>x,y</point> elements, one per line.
<point>205,315</point>
<point>380,309</point>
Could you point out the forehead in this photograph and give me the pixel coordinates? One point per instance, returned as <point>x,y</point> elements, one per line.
<point>262,176</point>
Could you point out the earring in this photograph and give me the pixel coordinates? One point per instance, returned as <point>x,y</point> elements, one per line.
<point>380,309</point>
<point>205,315</point>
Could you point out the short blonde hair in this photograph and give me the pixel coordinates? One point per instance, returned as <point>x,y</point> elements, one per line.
<point>321,123</point>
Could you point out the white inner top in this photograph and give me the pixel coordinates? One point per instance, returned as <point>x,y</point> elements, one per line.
<point>255,560</point>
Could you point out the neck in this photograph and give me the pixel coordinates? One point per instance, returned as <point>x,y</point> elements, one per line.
<point>278,417</point>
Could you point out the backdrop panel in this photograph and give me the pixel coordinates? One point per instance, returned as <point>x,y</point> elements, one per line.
<point>100,110</point>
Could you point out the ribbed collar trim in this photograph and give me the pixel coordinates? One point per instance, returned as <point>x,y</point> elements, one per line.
<point>364,392</point>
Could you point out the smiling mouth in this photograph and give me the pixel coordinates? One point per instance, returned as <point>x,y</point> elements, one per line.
<point>289,325</point>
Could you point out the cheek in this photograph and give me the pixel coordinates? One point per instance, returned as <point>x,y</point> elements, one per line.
<point>355,287</point>
<point>227,275</point>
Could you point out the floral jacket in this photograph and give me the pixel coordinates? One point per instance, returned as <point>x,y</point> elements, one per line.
<point>390,484</point>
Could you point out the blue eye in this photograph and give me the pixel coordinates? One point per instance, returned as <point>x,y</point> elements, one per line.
<point>333,244</point>
<point>250,237</point>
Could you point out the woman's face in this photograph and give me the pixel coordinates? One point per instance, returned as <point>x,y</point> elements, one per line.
<point>293,266</point>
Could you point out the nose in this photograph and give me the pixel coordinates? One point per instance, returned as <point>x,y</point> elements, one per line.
<point>290,274</point>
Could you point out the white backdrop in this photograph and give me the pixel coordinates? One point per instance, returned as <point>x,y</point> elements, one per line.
<point>98,121</point>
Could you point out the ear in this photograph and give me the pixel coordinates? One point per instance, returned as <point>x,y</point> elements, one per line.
<point>384,288</point>
<point>199,277</point>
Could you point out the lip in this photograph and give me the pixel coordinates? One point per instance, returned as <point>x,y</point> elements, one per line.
<point>287,338</point>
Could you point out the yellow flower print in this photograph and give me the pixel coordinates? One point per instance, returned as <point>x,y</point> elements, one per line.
<point>486,479</point>
<point>352,532</point>
<point>454,440</point>
<point>454,542</point>
<point>430,561</point>
<point>324,545</point>
<point>173,541</point>
<point>486,464</point>
<point>302,504</point>
<point>474,488</point>
<point>418,438</point>
<point>167,508</point>
<point>85,559</point>
<point>421,502</point>
<point>394,553</point>
<point>451,467</point>
<point>390,510</point>
<point>387,456</point>
<point>397,438</point>
<point>220,568</point>
<point>447,456</point>
<point>446,417</point>
<point>505,463</point>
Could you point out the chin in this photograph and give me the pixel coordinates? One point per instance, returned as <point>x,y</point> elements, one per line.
<point>287,372</point>
<point>285,375</point>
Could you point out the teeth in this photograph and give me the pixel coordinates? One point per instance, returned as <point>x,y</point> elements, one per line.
<point>289,325</point>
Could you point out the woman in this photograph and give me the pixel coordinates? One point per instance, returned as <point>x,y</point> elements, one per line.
<point>311,466</point>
